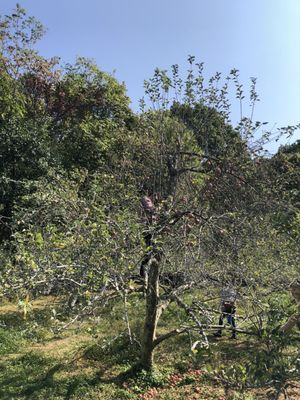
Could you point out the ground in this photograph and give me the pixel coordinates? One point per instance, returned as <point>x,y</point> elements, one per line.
<point>93,359</point>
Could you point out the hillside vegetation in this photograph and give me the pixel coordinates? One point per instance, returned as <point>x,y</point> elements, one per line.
<point>120,229</point>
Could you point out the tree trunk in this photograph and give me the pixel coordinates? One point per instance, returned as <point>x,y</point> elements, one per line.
<point>153,313</point>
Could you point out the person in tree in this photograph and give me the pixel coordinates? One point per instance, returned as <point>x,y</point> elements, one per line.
<point>295,318</point>
<point>148,209</point>
<point>228,309</point>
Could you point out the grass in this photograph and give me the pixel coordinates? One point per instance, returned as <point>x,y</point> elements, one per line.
<point>94,359</point>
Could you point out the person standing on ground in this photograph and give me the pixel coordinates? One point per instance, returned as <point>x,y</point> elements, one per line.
<point>228,309</point>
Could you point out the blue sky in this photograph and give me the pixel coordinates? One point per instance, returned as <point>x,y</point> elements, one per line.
<point>261,38</point>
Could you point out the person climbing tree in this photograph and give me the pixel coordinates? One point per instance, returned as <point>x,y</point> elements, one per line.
<point>147,220</point>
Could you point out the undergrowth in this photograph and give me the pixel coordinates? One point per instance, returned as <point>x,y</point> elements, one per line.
<point>97,359</point>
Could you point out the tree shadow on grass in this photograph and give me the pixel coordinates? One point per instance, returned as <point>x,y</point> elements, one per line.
<point>32,377</point>
<point>19,374</point>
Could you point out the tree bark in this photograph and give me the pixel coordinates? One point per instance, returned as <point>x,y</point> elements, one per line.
<point>153,313</point>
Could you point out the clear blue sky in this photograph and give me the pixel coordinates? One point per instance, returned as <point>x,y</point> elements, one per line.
<point>261,38</point>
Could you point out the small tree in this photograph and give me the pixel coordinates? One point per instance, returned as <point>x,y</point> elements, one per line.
<point>213,198</point>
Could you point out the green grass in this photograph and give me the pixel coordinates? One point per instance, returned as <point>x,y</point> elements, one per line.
<point>94,359</point>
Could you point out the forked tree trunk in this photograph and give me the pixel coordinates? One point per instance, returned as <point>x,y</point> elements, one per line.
<point>153,308</point>
<point>153,313</point>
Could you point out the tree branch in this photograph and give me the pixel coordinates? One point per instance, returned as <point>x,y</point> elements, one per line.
<point>165,336</point>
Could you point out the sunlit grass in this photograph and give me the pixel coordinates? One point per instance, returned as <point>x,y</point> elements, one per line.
<point>93,359</point>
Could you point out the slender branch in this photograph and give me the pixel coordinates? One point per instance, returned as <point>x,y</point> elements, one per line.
<point>193,316</point>
<point>179,331</point>
<point>165,336</point>
<point>216,327</point>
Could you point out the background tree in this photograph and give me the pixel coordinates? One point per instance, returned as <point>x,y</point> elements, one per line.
<point>61,117</point>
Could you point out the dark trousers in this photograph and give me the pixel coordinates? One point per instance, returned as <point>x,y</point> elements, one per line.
<point>228,312</point>
<point>152,252</point>
<point>147,256</point>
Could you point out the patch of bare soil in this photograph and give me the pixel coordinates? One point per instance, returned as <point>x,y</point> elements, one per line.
<point>38,304</point>
<point>59,347</point>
